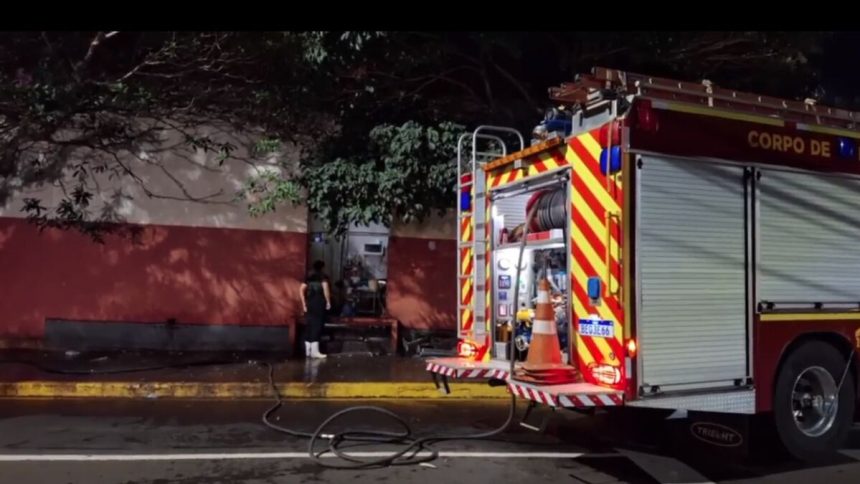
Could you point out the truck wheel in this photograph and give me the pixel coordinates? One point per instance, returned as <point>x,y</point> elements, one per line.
<point>811,419</point>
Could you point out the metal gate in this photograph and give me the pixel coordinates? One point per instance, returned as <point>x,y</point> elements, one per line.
<point>692,274</point>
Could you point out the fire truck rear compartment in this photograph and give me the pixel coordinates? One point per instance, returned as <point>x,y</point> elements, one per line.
<point>546,249</point>
<point>545,253</point>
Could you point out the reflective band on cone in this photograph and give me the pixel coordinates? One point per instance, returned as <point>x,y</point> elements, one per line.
<point>543,327</point>
<point>543,364</point>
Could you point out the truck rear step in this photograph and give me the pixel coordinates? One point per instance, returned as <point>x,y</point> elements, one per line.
<point>732,401</point>
<point>572,395</point>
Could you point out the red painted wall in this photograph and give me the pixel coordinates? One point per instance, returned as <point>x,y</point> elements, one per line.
<point>422,282</point>
<point>195,275</point>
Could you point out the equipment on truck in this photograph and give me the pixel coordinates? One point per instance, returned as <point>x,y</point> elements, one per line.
<point>544,364</point>
<point>702,241</point>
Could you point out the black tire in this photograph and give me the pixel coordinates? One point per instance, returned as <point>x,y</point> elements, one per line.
<point>800,445</point>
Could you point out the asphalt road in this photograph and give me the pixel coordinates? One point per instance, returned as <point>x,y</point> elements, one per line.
<point>207,442</point>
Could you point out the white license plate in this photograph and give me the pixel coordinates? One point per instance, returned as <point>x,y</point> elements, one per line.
<point>596,328</point>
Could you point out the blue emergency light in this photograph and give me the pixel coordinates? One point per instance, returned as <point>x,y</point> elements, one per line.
<point>614,163</point>
<point>465,201</point>
<point>563,125</point>
<point>847,148</point>
<point>594,288</point>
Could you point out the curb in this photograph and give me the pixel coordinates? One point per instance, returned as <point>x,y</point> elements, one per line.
<point>242,390</point>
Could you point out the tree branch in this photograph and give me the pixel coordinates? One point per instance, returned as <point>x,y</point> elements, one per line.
<point>517,84</point>
<point>100,36</point>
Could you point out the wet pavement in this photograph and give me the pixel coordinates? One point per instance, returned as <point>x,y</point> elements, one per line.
<point>205,367</point>
<point>205,442</point>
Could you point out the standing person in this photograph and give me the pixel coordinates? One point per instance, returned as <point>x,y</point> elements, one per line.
<point>316,302</point>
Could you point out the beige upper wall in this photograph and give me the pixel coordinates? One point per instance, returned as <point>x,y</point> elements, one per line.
<point>190,186</point>
<point>434,227</point>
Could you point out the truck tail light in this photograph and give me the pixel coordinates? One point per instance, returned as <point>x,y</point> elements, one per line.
<point>631,348</point>
<point>606,374</point>
<point>467,349</point>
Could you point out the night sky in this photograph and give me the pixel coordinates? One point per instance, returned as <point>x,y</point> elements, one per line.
<point>840,70</point>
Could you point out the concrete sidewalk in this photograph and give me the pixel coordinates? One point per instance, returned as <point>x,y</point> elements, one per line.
<point>35,374</point>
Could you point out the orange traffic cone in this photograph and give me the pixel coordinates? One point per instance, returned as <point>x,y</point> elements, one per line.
<point>543,364</point>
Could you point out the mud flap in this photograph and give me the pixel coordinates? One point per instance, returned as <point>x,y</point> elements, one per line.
<point>713,434</point>
<point>698,434</point>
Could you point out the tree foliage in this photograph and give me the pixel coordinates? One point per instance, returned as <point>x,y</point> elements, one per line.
<point>376,114</point>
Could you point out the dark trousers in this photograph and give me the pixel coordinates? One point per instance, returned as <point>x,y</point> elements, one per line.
<point>314,323</point>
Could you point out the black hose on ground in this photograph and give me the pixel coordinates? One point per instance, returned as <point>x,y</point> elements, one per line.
<point>408,454</point>
<point>411,446</point>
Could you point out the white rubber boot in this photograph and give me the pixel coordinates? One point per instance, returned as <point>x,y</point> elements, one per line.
<point>307,349</point>
<point>315,350</point>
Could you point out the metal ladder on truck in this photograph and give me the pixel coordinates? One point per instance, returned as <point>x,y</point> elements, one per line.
<point>487,144</point>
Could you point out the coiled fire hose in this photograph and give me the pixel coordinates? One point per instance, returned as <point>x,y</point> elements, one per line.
<point>410,446</point>
<point>550,213</point>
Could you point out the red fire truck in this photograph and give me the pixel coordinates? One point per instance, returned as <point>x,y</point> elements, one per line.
<point>701,243</point>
